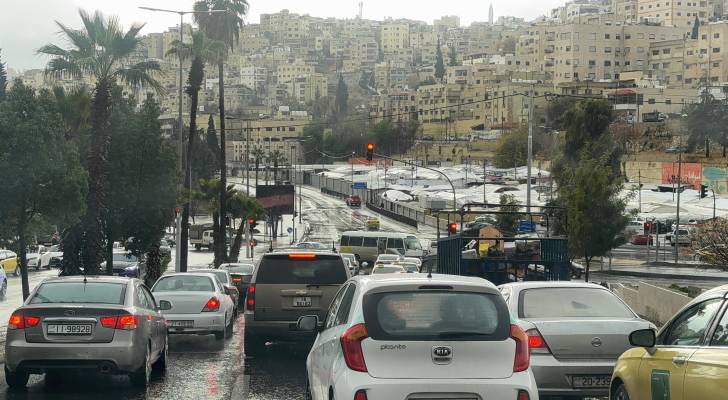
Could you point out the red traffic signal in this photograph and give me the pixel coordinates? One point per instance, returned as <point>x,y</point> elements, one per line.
<point>370,151</point>
<point>452,228</point>
<point>251,221</point>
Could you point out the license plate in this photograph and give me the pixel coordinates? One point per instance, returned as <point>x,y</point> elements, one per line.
<point>69,329</point>
<point>301,302</point>
<point>590,381</point>
<point>181,324</point>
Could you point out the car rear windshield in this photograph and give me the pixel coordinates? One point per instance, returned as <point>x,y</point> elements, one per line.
<point>124,257</point>
<point>240,269</point>
<point>321,270</point>
<point>571,303</point>
<point>388,270</point>
<point>436,315</point>
<point>221,275</point>
<point>79,292</point>
<point>179,283</point>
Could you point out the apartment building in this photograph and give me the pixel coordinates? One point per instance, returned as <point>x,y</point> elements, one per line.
<point>310,87</point>
<point>666,62</point>
<point>394,36</point>
<point>254,77</point>
<point>398,105</point>
<point>625,10</point>
<point>678,13</point>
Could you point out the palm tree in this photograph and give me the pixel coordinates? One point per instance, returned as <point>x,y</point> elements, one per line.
<point>242,207</point>
<point>259,155</point>
<point>224,27</point>
<point>200,51</point>
<point>276,157</point>
<point>98,51</point>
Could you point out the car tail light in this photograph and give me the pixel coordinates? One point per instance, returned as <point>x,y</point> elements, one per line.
<point>16,321</point>
<point>523,357</point>
<point>237,280</point>
<point>250,303</point>
<point>127,322</point>
<point>31,321</point>
<point>536,343</point>
<point>523,395</point>
<point>360,395</point>
<point>351,347</point>
<point>302,256</point>
<point>108,322</point>
<point>212,305</point>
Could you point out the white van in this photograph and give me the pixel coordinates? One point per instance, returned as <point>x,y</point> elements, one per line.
<point>366,246</point>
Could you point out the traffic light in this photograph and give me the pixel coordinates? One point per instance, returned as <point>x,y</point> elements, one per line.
<point>252,224</point>
<point>370,151</point>
<point>647,228</point>
<point>703,191</point>
<point>452,228</point>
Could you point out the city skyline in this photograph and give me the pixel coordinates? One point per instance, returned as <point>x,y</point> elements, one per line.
<point>18,45</point>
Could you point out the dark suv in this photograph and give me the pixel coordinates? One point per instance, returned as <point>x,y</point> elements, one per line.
<point>285,286</point>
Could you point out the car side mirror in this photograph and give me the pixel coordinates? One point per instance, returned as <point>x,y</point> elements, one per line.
<point>164,305</point>
<point>307,323</point>
<point>643,338</point>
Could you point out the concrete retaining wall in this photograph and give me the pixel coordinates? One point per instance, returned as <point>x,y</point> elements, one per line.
<point>654,303</point>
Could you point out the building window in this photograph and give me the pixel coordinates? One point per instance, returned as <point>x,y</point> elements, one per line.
<point>592,63</point>
<point>716,49</point>
<point>607,49</point>
<point>606,36</point>
<point>593,36</point>
<point>655,52</point>
<point>704,37</point>
<point>716,36</point>
<point>592,49</point>
<point>665,51</point>
<point>607,63</point>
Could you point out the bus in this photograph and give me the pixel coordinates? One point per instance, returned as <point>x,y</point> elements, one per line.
<point>366,246</point>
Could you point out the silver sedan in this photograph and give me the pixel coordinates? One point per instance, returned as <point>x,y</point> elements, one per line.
<point>576,331</point>
<point>103,324</point>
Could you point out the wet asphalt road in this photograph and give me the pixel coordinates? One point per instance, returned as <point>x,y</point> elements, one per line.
<point>199,368</point>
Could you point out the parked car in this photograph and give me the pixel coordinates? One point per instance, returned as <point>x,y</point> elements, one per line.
<point>3,284</point>
<point>109,325</point>
<point>200,305</point>
<point>409,267</point>
<point>372,223</point>
<point>387,259</point>
<point>353,201</point>
<point>47,258</point>
<point>230,289</point>
<point>241,274</point>
<point>9,262</point>
<point>682,238</point>
<point>285,286</point>
<point>417,337</point>
<point>576,331</point>
<point>686,359</point>
<point>414,260</point>
<point>642,240</point>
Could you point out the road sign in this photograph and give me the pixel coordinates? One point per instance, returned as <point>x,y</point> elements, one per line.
<point>360,185</point>
<point>289,230</point>
<point>526,226</point>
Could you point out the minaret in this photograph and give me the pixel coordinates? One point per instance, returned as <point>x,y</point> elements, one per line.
<point>490,14</point>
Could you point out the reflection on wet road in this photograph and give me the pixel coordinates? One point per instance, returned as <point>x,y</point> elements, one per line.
<point>199,368</point>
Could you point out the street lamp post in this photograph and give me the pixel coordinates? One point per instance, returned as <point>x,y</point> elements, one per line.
<point>180,123</point>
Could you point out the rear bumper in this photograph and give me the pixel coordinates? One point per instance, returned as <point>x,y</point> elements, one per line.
<point>554,376</point>
<point>348,383</point>
<point>202,324</point>
<point>122,355</point>
<point>279,331</point>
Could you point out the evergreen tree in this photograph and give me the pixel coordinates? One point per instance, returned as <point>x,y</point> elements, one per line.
<point>696,28</point>
<point>453,57</point>
<point>3,79</point>
<point>342,96</point>
<point>212,143</point>
<point>439,63</point>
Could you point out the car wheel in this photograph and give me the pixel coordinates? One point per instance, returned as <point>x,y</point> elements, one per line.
<point>4,290</point>
<point>229,328</point>
<point>140,378</point>
<point>253,346</point>
<point>620,393</point>
<point>160,365</point>
<point>17,379</point>
<point>17,271</point>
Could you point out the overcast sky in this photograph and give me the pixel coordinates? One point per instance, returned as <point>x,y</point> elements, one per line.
<point>26,25</point>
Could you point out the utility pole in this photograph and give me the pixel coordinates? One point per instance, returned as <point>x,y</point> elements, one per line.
<point>485,200</point>
<point>530,146</point>
<point>639,188</point>
<point>677,222</point>
<point>247,238</point>
<point>247,158</point>
<point>713,190</point>
<point>300,191</point>
<point>352,172</point>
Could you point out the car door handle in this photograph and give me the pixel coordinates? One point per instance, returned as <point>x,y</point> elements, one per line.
<point>679,360</point>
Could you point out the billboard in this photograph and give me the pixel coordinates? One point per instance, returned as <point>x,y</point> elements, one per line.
<point>276,199</point>
<point>691,174</point>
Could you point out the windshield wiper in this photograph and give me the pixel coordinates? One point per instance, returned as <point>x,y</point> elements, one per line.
<point>458,334</point>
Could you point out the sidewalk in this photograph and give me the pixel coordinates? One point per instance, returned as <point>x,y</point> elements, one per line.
<point>681,272</point>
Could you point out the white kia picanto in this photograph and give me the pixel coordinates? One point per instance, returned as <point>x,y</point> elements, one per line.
<point>418,336</point>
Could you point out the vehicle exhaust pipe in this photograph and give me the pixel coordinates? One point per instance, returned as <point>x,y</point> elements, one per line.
<point>105,367</point>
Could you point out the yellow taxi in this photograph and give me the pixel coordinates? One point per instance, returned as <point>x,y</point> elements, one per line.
<point>9,262</point>
<point>686,360</point>
<point>372,223</point>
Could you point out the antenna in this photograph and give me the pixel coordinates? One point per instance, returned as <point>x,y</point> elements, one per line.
<point>361,10</point>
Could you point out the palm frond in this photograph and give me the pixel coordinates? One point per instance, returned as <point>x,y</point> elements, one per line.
<point>53,50</point>
<point>80,39</point>
<point>140,74</point>
<point>60,67</point>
